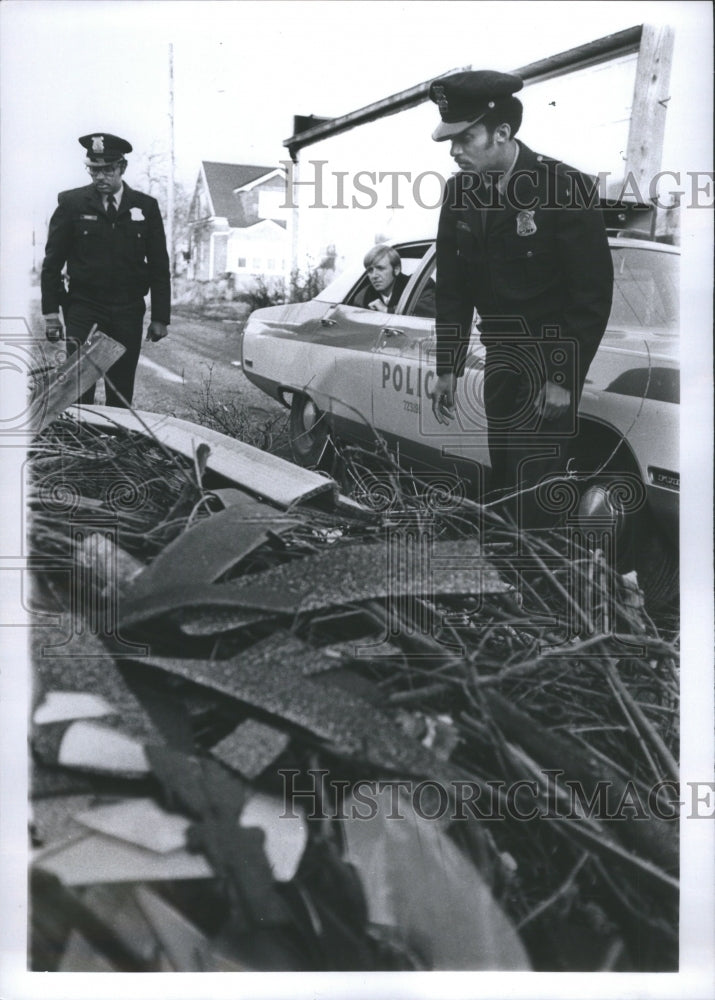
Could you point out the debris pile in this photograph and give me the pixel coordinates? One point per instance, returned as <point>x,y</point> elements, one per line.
<point>321,735</point>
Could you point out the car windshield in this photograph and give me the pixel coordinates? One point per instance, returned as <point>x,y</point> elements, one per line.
<point>645,292</point>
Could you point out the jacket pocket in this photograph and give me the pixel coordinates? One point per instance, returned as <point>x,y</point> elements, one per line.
<point>524,266</point>
<point>87,229</point>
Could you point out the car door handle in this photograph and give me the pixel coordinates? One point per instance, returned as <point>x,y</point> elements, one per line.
<point>392,331</point>
<point>328,322</point>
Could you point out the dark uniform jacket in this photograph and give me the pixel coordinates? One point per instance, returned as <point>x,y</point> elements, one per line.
<point>108,264</point>
<point>536,257</point>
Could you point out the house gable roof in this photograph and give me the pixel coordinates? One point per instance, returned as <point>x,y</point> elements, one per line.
<point>223,180</point>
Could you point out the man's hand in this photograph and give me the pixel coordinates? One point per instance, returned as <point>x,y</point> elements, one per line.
<point>53,326</point>
<point>553,401</point>
<point>443,398</point>
<point>157,331</point>
<point>377,305</point>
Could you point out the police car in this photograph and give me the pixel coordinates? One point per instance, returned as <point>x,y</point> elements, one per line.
<point>349,373</point>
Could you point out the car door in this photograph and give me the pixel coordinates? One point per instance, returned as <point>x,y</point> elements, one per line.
<point>403,378</point>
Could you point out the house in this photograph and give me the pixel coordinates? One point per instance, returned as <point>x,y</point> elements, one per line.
<point>236,222</point>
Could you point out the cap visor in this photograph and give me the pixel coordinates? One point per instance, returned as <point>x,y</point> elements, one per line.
<point>448,130</point>
<point>103,162</point>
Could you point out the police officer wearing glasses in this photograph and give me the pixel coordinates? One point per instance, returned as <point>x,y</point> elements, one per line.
<point>111,239</point>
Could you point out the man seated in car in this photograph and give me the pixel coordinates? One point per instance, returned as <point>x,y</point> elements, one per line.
<point>387,282</point>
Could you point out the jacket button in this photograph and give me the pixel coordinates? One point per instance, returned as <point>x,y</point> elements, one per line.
<point>529,253</point>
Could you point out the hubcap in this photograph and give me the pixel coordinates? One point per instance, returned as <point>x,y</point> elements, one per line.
<point>597,509</point>
<point>310,415</point>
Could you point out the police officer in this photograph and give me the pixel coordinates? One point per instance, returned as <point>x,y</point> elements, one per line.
<point>522,240</point>
<point>111,239</point>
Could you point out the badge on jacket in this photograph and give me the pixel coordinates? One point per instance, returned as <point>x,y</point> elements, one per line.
<point>525,225</point>
<point>137,214</point>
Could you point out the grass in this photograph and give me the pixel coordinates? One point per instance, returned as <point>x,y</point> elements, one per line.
<point>234,418</point>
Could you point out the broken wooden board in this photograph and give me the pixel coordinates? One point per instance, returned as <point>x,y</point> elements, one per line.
<point>265,476</point>
<point>343,574</point>
<point>78,373</point>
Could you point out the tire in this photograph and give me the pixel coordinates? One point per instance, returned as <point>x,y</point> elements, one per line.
<point>640,543</point>
<point>308,432</point>
<point>657,565</point>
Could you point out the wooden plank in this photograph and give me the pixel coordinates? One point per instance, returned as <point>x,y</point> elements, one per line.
<point>77,374</point>
<point>644,151</point>
<point>265,476</point>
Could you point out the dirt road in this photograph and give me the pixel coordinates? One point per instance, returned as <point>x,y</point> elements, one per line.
<point>174,373</point>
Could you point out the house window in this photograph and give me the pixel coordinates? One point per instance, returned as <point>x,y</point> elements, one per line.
<point>270,264</point>
<point>256,263</point>
<point>241,261</point>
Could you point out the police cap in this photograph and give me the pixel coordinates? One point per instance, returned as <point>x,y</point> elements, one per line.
<point>103,148</point>
<point>465,98</point>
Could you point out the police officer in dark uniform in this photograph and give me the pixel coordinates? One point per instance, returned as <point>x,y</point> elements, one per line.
<point>521,240</point>
<point>112,240</point>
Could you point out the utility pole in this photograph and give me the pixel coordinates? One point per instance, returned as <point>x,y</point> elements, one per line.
<point>170,184</point>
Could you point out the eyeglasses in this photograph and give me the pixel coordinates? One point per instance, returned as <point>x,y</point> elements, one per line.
<point>96,171</point>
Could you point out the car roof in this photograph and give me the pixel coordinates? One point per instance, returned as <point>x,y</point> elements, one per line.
<point>640,244</point>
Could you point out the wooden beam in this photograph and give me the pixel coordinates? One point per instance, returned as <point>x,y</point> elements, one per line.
<point>64,386</point>
<point>651,93</point>
<point>590,54</point>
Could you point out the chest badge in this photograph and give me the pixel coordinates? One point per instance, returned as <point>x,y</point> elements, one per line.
<point>525,225</point>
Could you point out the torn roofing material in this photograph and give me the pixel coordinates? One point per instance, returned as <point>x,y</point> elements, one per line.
<point>213,546</point>
<point>269,677</point>
<point>344,574</point>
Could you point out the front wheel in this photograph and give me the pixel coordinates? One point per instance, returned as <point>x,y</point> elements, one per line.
<point>308,431</point>
<point>639,542</point>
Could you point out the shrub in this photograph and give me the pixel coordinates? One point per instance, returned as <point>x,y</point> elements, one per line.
<point>268,431</point>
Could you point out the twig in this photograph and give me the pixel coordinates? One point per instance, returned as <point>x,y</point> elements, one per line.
<point>562,890</point>
<point>648,728</point>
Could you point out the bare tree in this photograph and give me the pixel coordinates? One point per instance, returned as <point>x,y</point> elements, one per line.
<point>151,171</point>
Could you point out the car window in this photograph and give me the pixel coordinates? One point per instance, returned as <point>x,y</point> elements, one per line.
<point>423,300</point>
<point>645,290</point>
<point>411,256</point>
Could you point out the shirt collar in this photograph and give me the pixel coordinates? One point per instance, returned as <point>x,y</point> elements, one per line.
<point>117,195</point>
<point>504,179</point>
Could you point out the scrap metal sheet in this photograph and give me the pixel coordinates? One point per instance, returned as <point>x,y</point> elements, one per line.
<point>257,471</point>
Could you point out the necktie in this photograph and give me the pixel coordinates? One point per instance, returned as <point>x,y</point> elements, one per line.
<point>111,208</point>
